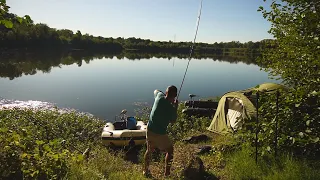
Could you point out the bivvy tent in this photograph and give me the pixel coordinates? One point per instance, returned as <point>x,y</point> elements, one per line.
<point>236,107</point>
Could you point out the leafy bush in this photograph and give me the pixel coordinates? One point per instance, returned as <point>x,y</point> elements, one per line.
<point>293,124</point>
<point>49,145</point>
<point>284,124</point>
<point>40,144</point>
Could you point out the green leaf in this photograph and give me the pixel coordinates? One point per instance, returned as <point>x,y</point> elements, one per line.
<point>308,123</point>
<point>80,157</point>
<point>46,147</point>
<point>308,131</point>
<point>7,24</point>
<point>28,19</point>
<point>271,131</point>
<point>24,155</point>
<point>55,157</point>
<point>3,1</point>
<point>19,19</point>
<point>4,129</point>
<point>16,137</point>
<point>301,134</point>
<point>54,142</point>
<point>268,148</point>
<point>314,93</point>
<point>260,9</point>
<point>34,173</point>
<point>316,139</point>
<point>39,142</point>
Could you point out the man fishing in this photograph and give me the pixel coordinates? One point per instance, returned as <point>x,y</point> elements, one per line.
<point>163,112</point>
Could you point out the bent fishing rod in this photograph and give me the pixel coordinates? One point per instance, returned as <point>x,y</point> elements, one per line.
<point>192,46</point>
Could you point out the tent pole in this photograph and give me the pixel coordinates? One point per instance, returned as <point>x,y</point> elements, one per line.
<point>257,128</point>
<point>276,130</point>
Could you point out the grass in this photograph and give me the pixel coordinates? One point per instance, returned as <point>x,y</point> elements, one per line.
<point>49,145</point>
<point>104,164</point>
<point>242,165</point>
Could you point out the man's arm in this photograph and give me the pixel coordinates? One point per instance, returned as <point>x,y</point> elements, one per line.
<point>155,92</point>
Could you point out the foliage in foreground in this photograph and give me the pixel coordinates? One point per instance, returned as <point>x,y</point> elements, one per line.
<point>40,144</point>
<point>289,122</point>
<point>49,145</point>
<point>284,126</point>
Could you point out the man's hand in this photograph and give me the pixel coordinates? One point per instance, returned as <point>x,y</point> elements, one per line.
<point>156,91</point>
<point>176,101</point>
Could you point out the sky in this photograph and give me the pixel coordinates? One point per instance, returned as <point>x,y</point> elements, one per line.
<point>159,20</point>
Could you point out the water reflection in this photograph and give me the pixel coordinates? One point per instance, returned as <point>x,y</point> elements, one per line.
<point>29,63</point>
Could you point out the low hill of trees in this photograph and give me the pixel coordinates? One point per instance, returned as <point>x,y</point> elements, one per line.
<point>31,35</point>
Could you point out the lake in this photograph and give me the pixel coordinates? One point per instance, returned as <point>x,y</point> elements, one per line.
<point>103,86</point>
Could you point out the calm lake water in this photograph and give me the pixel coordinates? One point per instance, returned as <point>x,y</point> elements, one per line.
<point>103,87</point>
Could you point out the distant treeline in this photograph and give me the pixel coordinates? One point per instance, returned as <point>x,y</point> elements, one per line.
<point>41,36</point>
<point>30,62</point>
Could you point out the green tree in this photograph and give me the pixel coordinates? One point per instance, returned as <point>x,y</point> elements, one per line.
<point>295,57</point>
<point>8,20</point>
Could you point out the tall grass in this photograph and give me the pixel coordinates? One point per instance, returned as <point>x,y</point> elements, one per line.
<point>242,165</point>
<point>104,164</point>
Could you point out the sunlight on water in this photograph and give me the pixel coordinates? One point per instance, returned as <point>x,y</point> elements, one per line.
<point>35,105</point>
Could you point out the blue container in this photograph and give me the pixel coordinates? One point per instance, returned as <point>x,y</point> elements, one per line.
<point>131,123</point>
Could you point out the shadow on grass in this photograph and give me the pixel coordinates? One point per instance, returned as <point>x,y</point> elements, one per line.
<point>208,176</point>
<point>131,154</point>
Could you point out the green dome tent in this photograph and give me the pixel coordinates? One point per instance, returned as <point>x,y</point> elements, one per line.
<point>236,107</point>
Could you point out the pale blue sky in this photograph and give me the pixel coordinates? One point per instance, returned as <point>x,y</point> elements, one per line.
<point>221,20</point>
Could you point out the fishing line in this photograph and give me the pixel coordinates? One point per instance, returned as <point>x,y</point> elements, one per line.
<point>192,46</point>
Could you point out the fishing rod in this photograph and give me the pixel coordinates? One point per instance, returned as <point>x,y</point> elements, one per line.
<point>192,46</point>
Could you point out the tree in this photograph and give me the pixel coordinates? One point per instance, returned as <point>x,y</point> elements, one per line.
<point>8,21</point>
<point>295,57</point>
<point>3,11</point>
